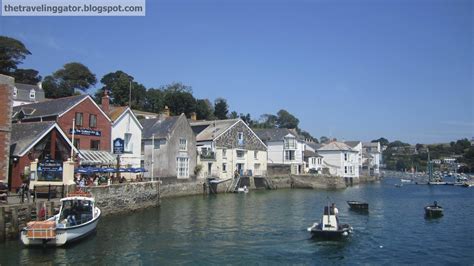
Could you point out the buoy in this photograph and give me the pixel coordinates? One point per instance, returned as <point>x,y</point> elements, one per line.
<point>381,246</point>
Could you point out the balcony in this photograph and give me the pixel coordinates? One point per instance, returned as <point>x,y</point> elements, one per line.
<point>207,156</point>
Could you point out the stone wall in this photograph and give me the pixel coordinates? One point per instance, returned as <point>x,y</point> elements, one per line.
<point>126,197</point>
<point>6,100</point>
<point>229,139</point>
<point>275,170</point>
<point>307,181</point>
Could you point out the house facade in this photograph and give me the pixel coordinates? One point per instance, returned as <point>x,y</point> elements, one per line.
<point>227,146</point>
<point>168,147</point>
<point>45,145</point>
<point>374,157</point>
<point>26,94</point>
<point>357,146</point>
<point>340,159</point>
<point>284,147</point>
<point>77,116</point>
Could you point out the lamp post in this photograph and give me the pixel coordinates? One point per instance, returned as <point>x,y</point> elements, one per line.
<point>72,140</point>
<point>152,157</point>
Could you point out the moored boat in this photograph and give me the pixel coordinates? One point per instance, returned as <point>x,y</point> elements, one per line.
<point>433,211</point>
<point>358,205</point>
<point>76,219</point>
<point>329,227</point>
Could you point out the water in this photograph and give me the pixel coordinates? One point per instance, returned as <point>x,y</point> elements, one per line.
<point>269,227</point>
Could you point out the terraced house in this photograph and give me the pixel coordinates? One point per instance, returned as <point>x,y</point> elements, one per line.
<point>227,146</point>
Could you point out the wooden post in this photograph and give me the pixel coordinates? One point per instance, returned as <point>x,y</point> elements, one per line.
<point>14,221</point>
<point>28,213</point>
<point>2,223</point>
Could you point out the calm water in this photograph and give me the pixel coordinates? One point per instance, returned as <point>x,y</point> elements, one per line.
<point>269,227</point>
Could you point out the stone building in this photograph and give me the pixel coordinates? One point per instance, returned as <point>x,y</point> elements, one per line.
<point>26,94</point>
<point>226,146</point>
<point>6,88</point>
<point>168,147</point>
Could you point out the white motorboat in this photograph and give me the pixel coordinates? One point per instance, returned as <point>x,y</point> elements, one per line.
<point>243,189</point>
<point>329,227</point>
<point>77,218</point>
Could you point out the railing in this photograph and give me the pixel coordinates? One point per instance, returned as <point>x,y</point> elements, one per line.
<point>208,156</point>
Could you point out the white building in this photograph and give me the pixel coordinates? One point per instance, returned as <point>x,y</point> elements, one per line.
<point>226,146</point>
<point>26,94</point>
<point>284,147</point>
<point>340,159</point>
<point>357,146</point>
<point>373,158</point>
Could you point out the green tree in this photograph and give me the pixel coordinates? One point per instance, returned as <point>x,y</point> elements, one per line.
<point>204,109</point>
<point>324,140</point>
<point>383,141</point>
<point>221,109</point>
<point>179,98</point>
<point>154,101</point>
<point>64,82</point>
<point>26,76</point>
<point>12,53</point>
<point>246,118</point>
<point>286,120</point>
<point>307,135</point>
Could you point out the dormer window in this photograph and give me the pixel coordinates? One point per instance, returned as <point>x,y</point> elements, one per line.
<point>15,92</point>
<point>290,143</point>
<point>32,94</point>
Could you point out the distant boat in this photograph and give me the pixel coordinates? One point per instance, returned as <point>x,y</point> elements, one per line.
<point>398,185</point>
<point>358,205</point>
<point>433,211</point>
<point>405,180</point>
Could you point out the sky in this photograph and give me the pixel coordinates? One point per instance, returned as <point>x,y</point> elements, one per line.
<point>351,70</point>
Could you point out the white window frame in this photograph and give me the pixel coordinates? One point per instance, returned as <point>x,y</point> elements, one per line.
<point>182,167</point>
<point>183,144</point>
<point>288,156</point>
<point>15,92</point>
<point>224,153</point>
<point>241,152</point>
<point>32,94</point>
<point>240,138</point>
<point>290,143</point>
<point>224,167</point>
<point>255,155</point>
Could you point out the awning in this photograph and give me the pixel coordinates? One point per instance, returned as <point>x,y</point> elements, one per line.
<point>96,158</point>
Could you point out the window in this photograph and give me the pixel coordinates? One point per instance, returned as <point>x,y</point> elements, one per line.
<point>32,94</point>
<point>224,167</point>
<point>345,156</point>
<point>290,155</point>
<point>78,119</point>
<point>240,138</point>
<point>95,145</point>
<point>157,144</point>
<point>128,142</point>
<point>290,143</point>
<point>183,144</point>
<point>77,143</point>
<point>345,169</point>
<point>92,120</point>
<point>240,154</point>
<point>182,167</point>
<point>224,153</point>
<point>255,155</point>
<point>15,92</point>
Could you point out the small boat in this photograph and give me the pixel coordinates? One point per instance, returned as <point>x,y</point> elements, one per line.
<point>437,182</point>
<point>433,211</point>
<point>398,185</point>
<point>358,205</point>
<point>243,190</point>
<point>76,219</point>
<point>329,227</point>
<point>405,180</point>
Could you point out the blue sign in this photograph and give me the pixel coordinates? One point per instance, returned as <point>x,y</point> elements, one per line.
<point>86,132</point>
<point>119,146</point>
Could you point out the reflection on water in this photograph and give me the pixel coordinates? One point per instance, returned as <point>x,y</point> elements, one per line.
<point>270,227</point>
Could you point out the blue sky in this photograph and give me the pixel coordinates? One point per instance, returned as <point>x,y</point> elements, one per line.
<point>354,70</point>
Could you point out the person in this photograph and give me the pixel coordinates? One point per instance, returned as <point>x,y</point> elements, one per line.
<point>334,209</point>
<point>122,179</point>
<point>435,203</point>
<point>25,190</point>
<point>236,174</point>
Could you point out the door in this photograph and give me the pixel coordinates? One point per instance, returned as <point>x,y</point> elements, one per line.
<point>209,169</point>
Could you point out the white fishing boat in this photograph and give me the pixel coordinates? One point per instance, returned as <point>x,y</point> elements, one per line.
<point>77,218</point>
<point>243,189</point>
<point>329,227</point>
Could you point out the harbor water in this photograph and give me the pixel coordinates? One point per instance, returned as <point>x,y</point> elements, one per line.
<point>269,227</point>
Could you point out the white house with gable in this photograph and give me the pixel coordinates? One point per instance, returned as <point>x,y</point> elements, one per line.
<point>341,159</point>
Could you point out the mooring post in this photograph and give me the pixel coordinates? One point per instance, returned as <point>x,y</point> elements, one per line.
<point>28,213</point>
<point>2,223</point>
<point>14,221</point>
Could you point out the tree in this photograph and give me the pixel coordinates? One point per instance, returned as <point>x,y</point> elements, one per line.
<point>246,118</point>
<point>12,53</point>
<point>179,98</point>
<point>383,141</point>
<point>266,121</point>
<point>221,109</point>
<point>233,115</point>
<point>307,135</point>
<point>286,120</point>
<point>123,90</point>
<point>204,109</point>
<point>154,101</point>
<point>64,82</point>
<point>26,76</point>
<point>324,140</point>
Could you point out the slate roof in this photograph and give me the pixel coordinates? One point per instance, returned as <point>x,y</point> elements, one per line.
<point>161,127</point>
<point>23,93</point>
<point>209,130</point>
<point>314,145</point>
<point>335,146</point>
<point>25,134</point>
<point>352,144</point>
<point>50,108</point>
<point>274,134</point>
<point>308,154</point>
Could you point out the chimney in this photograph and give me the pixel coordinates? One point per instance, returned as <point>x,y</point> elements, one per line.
<point>193,116</point>
<point>167,111</point>
<point>105,102</point>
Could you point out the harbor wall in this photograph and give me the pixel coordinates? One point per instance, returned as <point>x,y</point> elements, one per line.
<point>307,181</point>
<point>118,198</point>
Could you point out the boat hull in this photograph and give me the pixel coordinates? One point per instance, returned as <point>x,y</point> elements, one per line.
<point>63,235</point>
<point>342,232</point>
<point>356,205</point>
<point>433,212</point>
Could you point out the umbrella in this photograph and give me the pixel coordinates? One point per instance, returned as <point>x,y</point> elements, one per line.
<point>81,170</point>
<point>139,170</point>
<point>107,170</point>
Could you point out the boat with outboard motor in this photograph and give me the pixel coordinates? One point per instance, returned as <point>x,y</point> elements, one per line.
<point>358,205</point>
<point>329,227</point>
<point>433,211</point>
<point>77,218</point>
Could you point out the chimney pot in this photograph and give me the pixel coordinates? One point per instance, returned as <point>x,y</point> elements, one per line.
<point>105,102</point>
